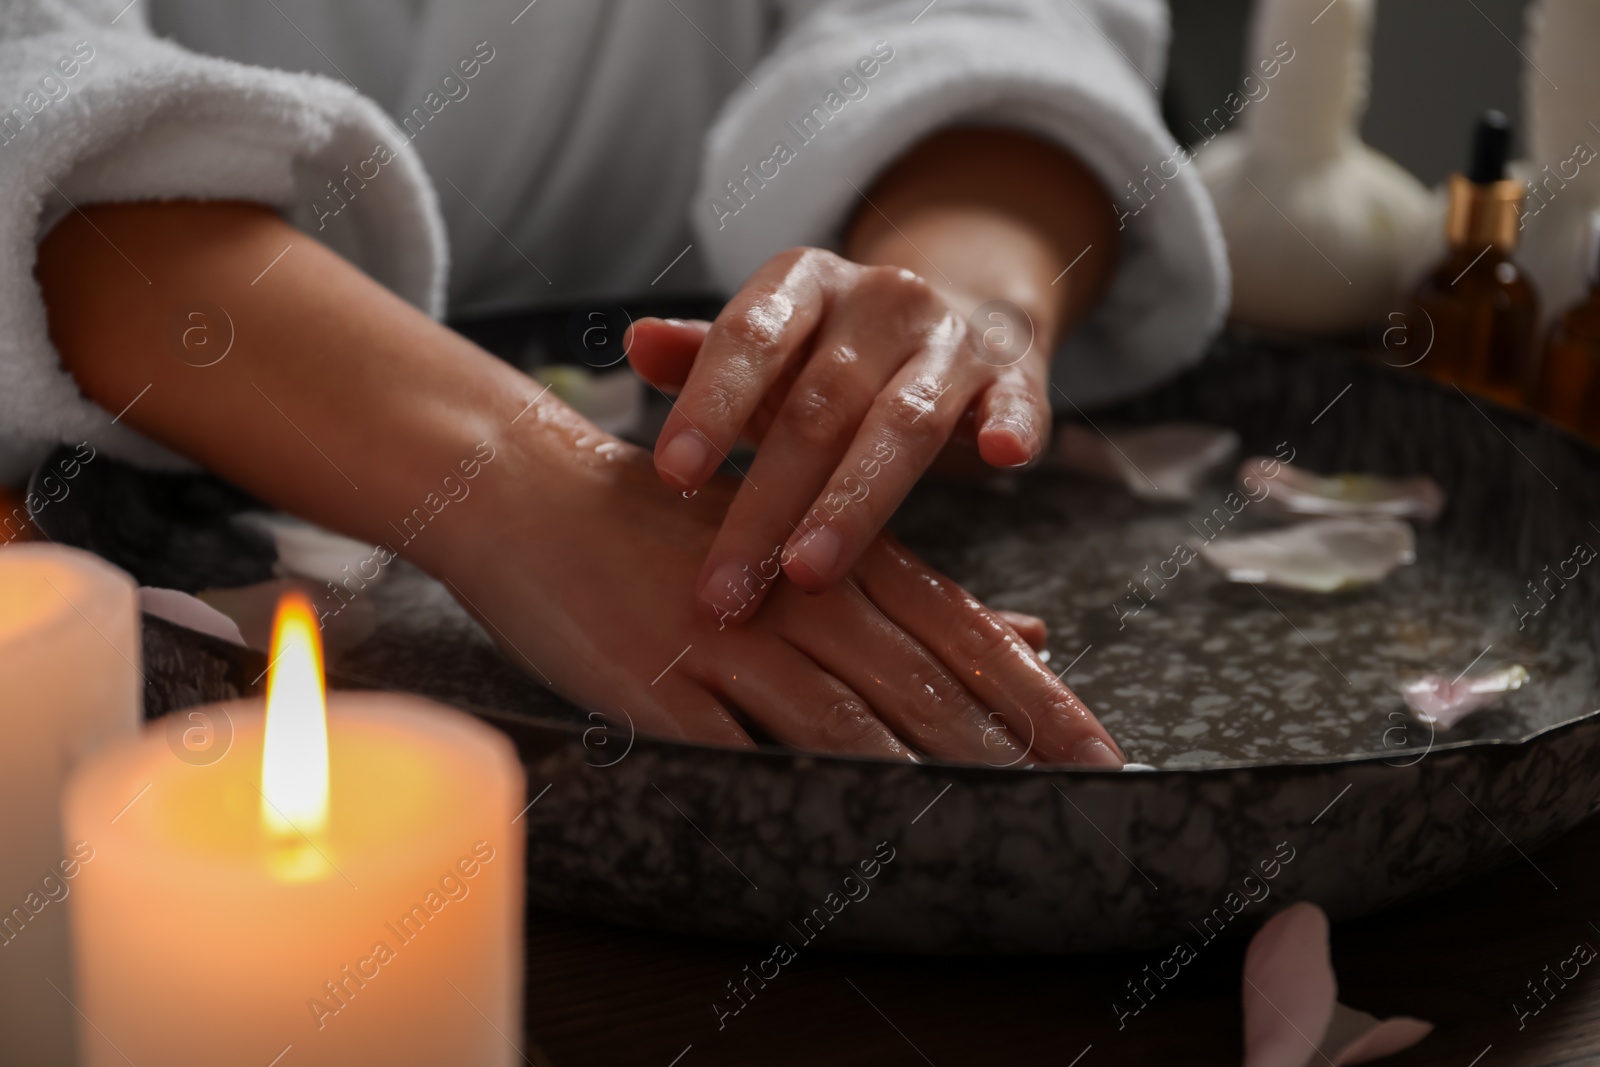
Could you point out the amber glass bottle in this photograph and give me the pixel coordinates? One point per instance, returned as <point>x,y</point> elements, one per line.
<point>1484,311</point>
<point>1569,382</point>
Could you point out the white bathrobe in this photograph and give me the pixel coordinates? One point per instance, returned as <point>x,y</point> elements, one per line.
<point>570,149</point>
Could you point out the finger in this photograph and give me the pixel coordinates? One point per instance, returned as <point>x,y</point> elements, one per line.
<point>744,354</point>
<point>856,354</point>
<point>761,420</point>
<point>1014,415</point>
<point>662,351</point>
<point>1030,628</point>
<point>680,709</point>
<point>798,703</point>
<point>903,433</point>
<point>983,652</point>
<point>903,682</point>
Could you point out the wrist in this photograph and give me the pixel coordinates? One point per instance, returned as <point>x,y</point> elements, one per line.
<point>550,469</point>
<point>994,214</point>
<point>972,255</point>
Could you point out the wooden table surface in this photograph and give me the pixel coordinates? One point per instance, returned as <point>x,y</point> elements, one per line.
<point>600,995</point>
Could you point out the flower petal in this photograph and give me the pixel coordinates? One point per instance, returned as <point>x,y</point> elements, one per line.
<point>1443,701</point>
<point>181,609</point>
<point>1359,1037</point>
<point>1164,463</point>
<point>1289,988</point>
<point>1299,492</point>
<point>1319,556</point>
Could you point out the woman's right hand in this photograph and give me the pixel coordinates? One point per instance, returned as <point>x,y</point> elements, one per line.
<point>592,587</point>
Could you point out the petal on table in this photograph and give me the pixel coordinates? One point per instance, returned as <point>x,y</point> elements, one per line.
<point>1289,988</point>
<point>1359,1037</point>
<point>1291,1016</point>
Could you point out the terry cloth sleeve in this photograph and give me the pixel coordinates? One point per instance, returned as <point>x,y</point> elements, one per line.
<point>785,159</point>
<point>94,108</point>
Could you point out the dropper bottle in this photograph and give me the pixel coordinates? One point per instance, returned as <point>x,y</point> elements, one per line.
<point>1569,379</point>
<point>1484,311</point>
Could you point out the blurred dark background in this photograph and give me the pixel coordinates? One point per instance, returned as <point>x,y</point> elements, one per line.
<point>1436,65</point>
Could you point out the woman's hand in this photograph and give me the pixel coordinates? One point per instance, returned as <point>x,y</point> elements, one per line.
<point>593,588</point>
<point>853,379</point>
<point>854,374</point>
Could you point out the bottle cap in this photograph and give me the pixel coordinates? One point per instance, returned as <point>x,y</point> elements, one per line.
<point>1485,206</point>
<point>1491,148</point>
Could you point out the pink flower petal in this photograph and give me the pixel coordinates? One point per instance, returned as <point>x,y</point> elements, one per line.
<point>1383,1038</point>
<point>1293,491</point>
<point>181,609</point>
<point>1289,988</point>
<point>1291,1017</point>
<point>1437,699</point>
<point>1163,462</point>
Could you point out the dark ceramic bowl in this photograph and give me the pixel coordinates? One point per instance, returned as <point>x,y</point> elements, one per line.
<point>1287,766</point>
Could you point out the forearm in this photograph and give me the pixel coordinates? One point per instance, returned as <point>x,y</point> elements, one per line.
<point>336,401</point>
<point>987,214</point>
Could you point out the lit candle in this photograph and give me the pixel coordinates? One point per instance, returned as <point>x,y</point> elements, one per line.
<point>69,642</point>
<point>325,888</point>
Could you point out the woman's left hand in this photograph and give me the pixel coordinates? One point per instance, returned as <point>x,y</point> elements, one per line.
<point>853,379</point>
<point>854,374</point>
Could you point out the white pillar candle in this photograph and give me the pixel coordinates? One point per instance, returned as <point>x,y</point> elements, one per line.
<point>301,897</point>
<point>69,645</point>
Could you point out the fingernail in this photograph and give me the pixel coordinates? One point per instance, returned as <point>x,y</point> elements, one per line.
<point>1094,752</point>
<point>818,552</point>
<point>684,458</point>
<point>731,587</point>
<point>1019,428</point>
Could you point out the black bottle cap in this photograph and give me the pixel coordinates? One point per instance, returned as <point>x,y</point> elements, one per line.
<point>1491,148</point>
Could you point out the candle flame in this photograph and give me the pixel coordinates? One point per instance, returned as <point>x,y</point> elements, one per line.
<point>294,756</point>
